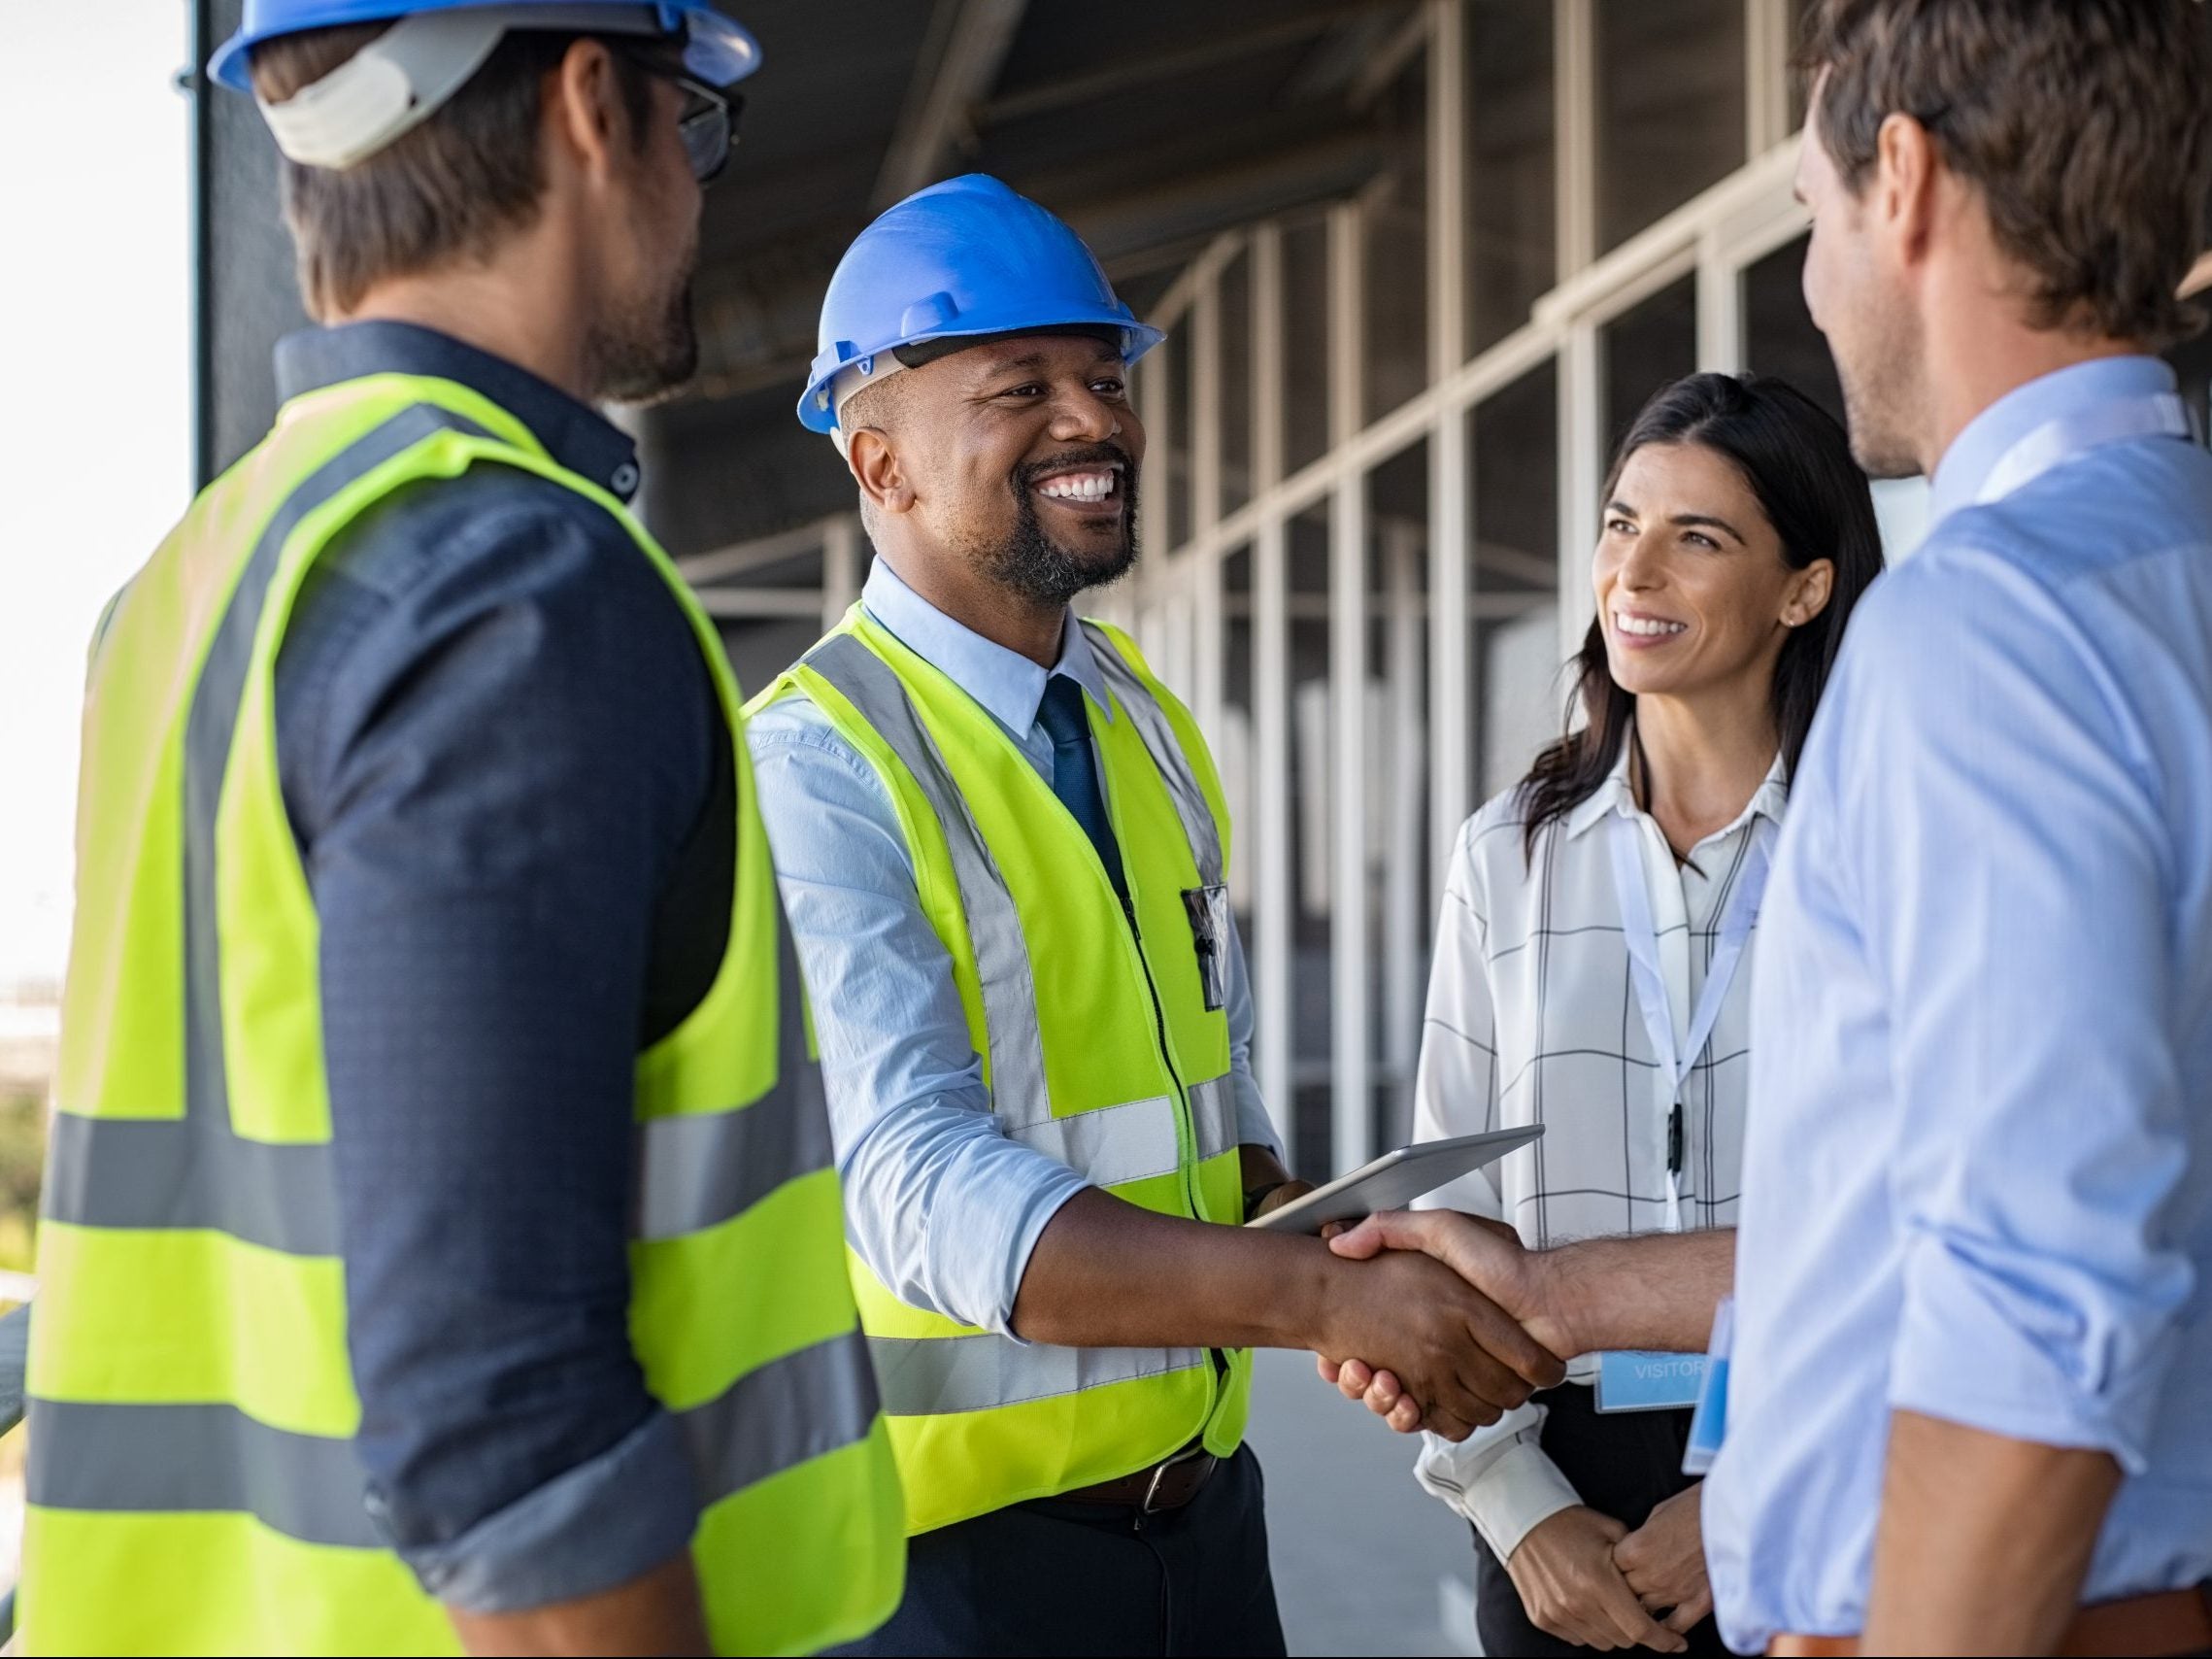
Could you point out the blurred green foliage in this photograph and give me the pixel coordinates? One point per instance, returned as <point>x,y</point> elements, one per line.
<point>22,1156</point>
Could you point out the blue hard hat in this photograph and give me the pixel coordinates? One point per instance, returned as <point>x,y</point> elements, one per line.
<point>965,257</point>
<point>715,48</point>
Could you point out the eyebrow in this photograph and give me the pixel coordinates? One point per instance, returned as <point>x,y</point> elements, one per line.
<point>1682,521</point>
<point>1032,361</point>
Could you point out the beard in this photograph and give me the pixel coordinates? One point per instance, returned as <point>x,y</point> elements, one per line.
<point>1038,569</point>
<point>1881,399</point>
<point>648,349</point>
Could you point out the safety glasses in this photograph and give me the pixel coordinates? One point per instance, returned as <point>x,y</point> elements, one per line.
<point>707,123</point>
<point>708,126</point>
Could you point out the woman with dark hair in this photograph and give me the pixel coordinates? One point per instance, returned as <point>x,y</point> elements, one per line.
<point>1590,973</point>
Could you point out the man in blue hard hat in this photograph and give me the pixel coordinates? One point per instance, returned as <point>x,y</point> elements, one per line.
<point>1003,847</point>
<point>441,1241</point>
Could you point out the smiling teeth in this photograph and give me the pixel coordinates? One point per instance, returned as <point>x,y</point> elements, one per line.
<point>1078,487</point>
<point>1646,627</point>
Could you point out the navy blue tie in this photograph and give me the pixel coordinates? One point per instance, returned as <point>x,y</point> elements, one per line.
<point>1075,770</point>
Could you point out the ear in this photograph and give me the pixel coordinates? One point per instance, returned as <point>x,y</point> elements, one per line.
<point>583,111</point>
<point>1808,593</point>
<point>876,469</point>
<point>1906,175</point>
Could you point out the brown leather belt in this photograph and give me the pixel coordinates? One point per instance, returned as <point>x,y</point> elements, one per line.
<point>1167,1485</point>
<point>2170,1622</point>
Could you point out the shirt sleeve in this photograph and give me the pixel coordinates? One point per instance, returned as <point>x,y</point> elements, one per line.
<point>2008,853</point>
<point>495,733</point>
<point>1498,1477</point>
<point>1255,1124</point>
<point>941,1203</point>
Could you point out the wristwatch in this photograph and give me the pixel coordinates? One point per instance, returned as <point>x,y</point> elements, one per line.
<point>1255,1197</point>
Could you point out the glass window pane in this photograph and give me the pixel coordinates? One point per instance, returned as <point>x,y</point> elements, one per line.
<point>1236,384</point>
<point>1176,351</point>
<point>1670,107</point>
<point>1514,583</point>
<point>1311,994</point>
<point>1397,229</point>
<point>1642,349</point>
<point>1512,166</point>
<point>1779,336</point>
<point>1394,778</point>
<point>1305,341</point>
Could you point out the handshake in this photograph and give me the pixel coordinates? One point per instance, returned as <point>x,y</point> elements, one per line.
<point>1452,1323</point>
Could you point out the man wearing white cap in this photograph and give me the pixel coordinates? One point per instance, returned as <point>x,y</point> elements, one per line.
<point>442,1246</point>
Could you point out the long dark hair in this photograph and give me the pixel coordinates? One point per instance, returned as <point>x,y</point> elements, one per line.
<point>1797,461</point>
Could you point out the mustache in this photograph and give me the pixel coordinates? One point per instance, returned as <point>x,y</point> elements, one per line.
<point>1103,453</point>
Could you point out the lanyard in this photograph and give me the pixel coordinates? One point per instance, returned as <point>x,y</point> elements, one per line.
<point>2069,437</point>
<point>1637,928</point>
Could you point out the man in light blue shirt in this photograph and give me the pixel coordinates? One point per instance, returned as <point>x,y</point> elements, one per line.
<point>1051,1271</point>
<point>905,1084</point>
<point>1970,1399</point>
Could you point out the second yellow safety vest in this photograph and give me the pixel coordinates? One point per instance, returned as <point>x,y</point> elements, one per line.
<point>192,1483</point>
<point>1104,1042</point>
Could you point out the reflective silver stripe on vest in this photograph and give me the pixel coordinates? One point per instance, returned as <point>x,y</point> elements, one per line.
<point>1114,1143</point>
<point>696,1171</point>
<point>801,1407</point>
<point>216,1459</point>
<point>928,1376</point>
<point>196,1460</point>
<point>197,1172</point>
<point>1017,1092</point>
<point>1166,750</point>
<point>1213,1116</point>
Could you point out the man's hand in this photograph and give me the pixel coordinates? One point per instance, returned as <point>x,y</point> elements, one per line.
<point>1572,1589</point>
<point>1487,1254</point>
<point>1663,1561</point>
<point>1286,1193</point>
<point>1458,1360</point>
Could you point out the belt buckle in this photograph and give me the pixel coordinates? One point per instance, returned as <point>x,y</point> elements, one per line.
<point>1160,1474</point>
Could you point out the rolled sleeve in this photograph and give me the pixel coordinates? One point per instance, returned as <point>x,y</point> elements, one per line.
<point>943,1206</point>
<point>2021,915</point>
<point>595,1526</point>
<point>1255,1124</point>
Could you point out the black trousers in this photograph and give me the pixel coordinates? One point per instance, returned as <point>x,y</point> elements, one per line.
<point>1050,1577</point>
<point>1624,1465</point>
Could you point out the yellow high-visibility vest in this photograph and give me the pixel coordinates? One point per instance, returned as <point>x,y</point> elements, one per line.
<point>193,1481</point>
<point>1104,1043</point>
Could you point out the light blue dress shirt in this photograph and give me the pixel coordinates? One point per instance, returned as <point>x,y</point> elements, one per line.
<point>1978,1177</point>
<point>943,1206</point>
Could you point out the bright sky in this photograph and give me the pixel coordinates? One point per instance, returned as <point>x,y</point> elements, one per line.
<point>95,265</point>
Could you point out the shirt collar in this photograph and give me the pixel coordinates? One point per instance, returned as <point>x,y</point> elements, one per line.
<point>1007,684</point>
<point>1975,452</point>
<point>575,434</point>
<point>1615,796</point>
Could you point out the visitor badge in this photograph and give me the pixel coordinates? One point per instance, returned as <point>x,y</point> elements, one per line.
<point>1636,1382</point>
<point>1709,1424</point>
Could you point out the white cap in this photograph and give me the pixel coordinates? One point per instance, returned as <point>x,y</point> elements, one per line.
<point>407,74</point>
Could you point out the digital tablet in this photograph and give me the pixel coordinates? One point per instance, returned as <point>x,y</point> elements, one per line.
<point>1395,1180</point>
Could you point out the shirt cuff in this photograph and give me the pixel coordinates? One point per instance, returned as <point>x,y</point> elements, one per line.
<point>589,1529</point>
<point>1255,1124</point>
<point>1508,1495</point>
<point>1985,1347</point>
